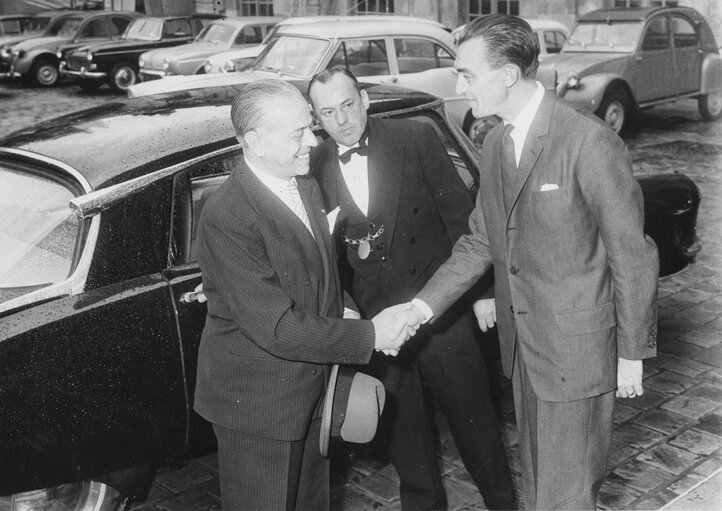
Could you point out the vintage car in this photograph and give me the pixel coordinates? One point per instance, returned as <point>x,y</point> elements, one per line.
<point>43,24</point>
<point>116,62</point>
<point>13,24</point>
<point>36,59</point>
<point>99,322</point>
<point>217,36</point>
<point>617,61</point>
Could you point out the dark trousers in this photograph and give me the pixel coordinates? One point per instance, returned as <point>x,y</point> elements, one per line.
<point>563,446</point>
<point>451,365</point>
<point>259,473</point>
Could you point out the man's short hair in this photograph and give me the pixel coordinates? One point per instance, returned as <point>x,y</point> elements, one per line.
<point>249,107</point>
<point>508,40</point>
<point>327,75</point>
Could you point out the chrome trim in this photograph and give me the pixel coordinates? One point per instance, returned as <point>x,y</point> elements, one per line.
<point>50,161</point>
<point>83,74</point>
<point>98,201</point>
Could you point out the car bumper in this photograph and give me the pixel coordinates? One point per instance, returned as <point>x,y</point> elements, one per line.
<point>147,75</point>
<point>82,74</point>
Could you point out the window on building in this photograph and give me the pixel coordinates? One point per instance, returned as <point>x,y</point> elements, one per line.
<point>254,7</point>
<point>478,8</point>
<point>374,6</point>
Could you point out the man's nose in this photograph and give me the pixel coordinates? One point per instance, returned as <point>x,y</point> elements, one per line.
<point>341,117</point>
<point>309,138</point>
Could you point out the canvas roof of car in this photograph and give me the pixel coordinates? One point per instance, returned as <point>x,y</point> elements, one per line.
<point>345,28</point>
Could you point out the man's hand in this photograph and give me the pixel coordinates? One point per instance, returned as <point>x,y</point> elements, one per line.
<point>394,326</point>
<point>201,297</point>
<point>629,378</point>
<point>485,311</point>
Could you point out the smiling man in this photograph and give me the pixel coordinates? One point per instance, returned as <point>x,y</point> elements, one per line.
<point>561,219</point>
<point>274,311</point>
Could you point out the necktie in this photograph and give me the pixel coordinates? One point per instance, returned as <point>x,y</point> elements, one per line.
<point>508,166</point>
<point>362,149</point>
<point>296,204</point>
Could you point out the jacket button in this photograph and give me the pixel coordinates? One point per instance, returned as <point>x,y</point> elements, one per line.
<point>383,259</point>
<point>412,271</point>
<point>412,240</point>
<point>513,270</point>
<point>415,210</point>
<point>306,282</point>
<point>380,246</point>
<point>314,372</point>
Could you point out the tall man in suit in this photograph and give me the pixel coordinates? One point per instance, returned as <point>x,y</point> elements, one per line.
<point>274,310</point>
<point>561,219</point>
<point>402,207</point>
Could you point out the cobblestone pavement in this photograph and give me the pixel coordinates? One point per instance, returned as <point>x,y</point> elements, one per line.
<point>667,450</point>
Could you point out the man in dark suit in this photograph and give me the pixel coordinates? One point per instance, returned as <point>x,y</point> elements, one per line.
<point>402,207</point>
<point>274,310</point>
<point>560,217</point>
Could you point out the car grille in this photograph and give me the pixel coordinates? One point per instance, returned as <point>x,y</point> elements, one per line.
<point>75,62</point>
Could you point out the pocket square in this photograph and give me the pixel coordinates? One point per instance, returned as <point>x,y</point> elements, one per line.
<point>331,217</point>
<point>546,187</point>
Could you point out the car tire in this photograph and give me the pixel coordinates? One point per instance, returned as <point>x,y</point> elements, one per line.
<point>710,106</point>
<point>617,111</point>
<point>123,76</point>
<point>73,497</point>
<point>477,129</point>
<point>45,72</point>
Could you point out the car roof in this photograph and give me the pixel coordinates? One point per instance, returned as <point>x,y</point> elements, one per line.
<point>631,14</point>
<point>248,20</point>
<point>105,146</point>
<point>359,26</point>
<point>90,14</point>
<point>14,16</point>
<point>393,18</point>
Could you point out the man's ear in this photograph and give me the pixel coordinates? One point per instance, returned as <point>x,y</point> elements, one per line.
<point>511,74</point>
<point>365,99</point>
<point>252,142</point>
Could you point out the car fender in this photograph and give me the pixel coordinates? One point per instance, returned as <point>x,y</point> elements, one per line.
<point>591,90</point>
<point>25,64</point>
<point>711,73</point>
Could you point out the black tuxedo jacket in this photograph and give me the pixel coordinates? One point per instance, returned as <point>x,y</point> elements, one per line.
<point>415,194</point>
<point>274,308</point>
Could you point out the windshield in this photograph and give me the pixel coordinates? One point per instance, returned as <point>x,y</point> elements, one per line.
<point>37,24</point>
<point>292,55</point>
<point>38,232</point>
<point>216,33</point>
<point>145,29</point>
<point>69,27</point>
<point>598,37</point>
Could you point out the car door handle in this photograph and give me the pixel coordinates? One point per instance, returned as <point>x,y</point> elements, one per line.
<point>193,296</point>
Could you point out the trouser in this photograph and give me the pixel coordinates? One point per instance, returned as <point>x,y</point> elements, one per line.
<point>259,473</point>
<point>563,446</point>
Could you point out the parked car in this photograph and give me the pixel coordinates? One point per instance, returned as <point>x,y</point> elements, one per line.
<point>218,36</point>
<point>36,60</point>
<point>13,24</point>
<point>43,24</point>
<point>99,326</point>
<point>116,62</point>
<point>617,61</point>
<point>552,35</point>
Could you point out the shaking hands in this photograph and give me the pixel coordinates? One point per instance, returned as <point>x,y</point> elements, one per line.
<point>396,325</point>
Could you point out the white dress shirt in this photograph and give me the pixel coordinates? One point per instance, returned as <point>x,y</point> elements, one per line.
<point>356,175</point>
<point>522,122</point>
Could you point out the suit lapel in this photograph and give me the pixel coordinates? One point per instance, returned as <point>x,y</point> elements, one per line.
<point>533,146</point>
<point>386,169</point>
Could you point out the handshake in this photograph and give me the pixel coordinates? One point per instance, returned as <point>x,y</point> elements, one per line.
<point>396,325</point>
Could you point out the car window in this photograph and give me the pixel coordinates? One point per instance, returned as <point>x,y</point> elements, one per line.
<point>216,33</point>
<point>38,231</point>
<point>599,37</point>
<point>249,35</point>
<point>118,25</point>
<point>177,28</point>
<point>657,35</point>
<point>553,41</point>
<point>145,29</point>
<point>417,55</point>
<point>69,27</point>
<point>684,33</point>
<point>94,28</point>
<point>363,57</point>
<point>9,27</point>
<point>292,55</point>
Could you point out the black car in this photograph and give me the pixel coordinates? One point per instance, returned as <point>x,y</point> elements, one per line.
<point>116,62</point>
<point>99,324</point>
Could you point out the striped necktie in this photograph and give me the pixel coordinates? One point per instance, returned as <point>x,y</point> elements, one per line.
<point>296,204</point>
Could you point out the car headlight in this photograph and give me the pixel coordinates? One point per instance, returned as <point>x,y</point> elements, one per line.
<point>207,66</point>
<point>166,64</point>
<point>141,62</point>
<point>229,67</point>
<point>89,56</point>
<point>59,54</point>
<point>572,80</point>
<point>4,52</point>
<point>19,53</point>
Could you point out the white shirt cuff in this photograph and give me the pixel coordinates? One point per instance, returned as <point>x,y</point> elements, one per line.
<point>428,313</point>
<point>350,314</point>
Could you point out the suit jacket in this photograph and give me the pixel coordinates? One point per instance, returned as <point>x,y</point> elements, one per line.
<point>415,194</point>
<point>274,307</point>
<point>575,276</point>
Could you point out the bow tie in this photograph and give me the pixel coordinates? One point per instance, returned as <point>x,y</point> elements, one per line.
<point>362,149</point>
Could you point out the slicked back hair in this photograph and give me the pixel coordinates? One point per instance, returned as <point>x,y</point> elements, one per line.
<point>249,107</point>
<point>507,39</point>
<point>327,75</point>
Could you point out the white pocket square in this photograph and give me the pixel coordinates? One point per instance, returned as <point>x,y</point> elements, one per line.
<point>546,187</point>
<point>331,217</point>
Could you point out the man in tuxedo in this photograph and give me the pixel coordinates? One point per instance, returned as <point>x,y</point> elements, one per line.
<point>402,207</point>
<point>274,310</point>
<point>560,217</point>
